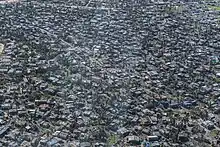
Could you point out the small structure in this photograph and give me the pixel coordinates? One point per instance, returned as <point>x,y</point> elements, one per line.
<point>152,138</point>
<point>133,140</point>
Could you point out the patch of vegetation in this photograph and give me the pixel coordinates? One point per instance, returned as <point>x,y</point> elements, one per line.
<point>215,8</point>
<point>177,98</point>
<point>214,133</point>
<point>113,139</point>
<point>174,9</point>
<point>217,80</point>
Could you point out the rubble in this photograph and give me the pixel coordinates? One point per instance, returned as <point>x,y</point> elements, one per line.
<point>1,48</point>
<point>3,130</point>
<point>75,72</point>
<point>209,125</point>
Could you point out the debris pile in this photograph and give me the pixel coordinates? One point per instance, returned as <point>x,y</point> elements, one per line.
<point>101,73</point>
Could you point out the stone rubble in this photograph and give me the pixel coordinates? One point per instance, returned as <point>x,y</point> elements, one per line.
<point>102,73</point>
